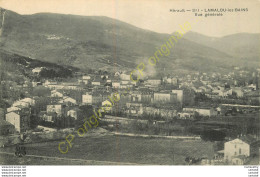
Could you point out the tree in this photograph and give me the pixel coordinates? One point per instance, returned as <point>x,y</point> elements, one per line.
<point>34,121</point>
<point>40,104</point>
<point>86,111</point>
<point>48,73</point>
<point>213,135</point>
<point>41,91</point>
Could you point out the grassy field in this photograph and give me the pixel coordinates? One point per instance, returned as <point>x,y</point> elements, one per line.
<point>155,151</point>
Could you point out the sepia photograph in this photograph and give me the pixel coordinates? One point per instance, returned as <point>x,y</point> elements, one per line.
<point>127,82</point>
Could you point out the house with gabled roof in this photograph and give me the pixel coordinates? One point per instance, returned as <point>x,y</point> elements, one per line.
<point>13,109</point>
<point>55,93</point>
<point>68,101</point>
<point>237,151</point>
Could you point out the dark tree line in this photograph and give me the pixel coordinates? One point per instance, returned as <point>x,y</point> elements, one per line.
<point>51,73</point>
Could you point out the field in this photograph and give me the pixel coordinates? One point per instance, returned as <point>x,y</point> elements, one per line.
<point>93,150</point>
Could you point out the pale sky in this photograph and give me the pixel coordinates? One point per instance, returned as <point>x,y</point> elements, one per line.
<point>153,15</point>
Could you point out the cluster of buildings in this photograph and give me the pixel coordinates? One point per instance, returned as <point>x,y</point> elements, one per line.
<point>235,84</point>
<point>164,97</point>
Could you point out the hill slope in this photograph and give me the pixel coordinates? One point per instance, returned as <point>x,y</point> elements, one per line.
<point>100,42</point>
<point>241,45</point>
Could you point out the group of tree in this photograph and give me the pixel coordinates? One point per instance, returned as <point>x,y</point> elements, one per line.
<point>51,73</point>
<point>59,122</point>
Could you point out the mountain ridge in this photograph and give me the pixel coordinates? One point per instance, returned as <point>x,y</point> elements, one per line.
<point>241,45</point>
<point>103,42</point>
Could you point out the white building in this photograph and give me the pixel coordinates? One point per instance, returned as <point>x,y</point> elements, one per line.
<point>87,99</point>
<point>237,151</point>
<point>125,77</point>
<point>238,92</point>
<point>185,115</point>
<point>134,108</point>
<point>153,81</point>
<point>14,119</point>
<point>68,101</point>
<point>235,148</point>
<point>97,83</point>
<point>73,113</point>
<point>55,93</point>
<point>29,100</point>
<point>106,105</point>
<point>13,109</point>
<point>116,84</point>
<point>55,108</point>
<point>179,95</point>
<point>202,111</point>
<point>20,121</point>
<point>164,97</point>
<point>37,70</point>
<point>20,103</point>
<point>86,77</point>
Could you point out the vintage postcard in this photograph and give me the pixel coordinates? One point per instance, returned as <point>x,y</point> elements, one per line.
<point>127,82</point>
